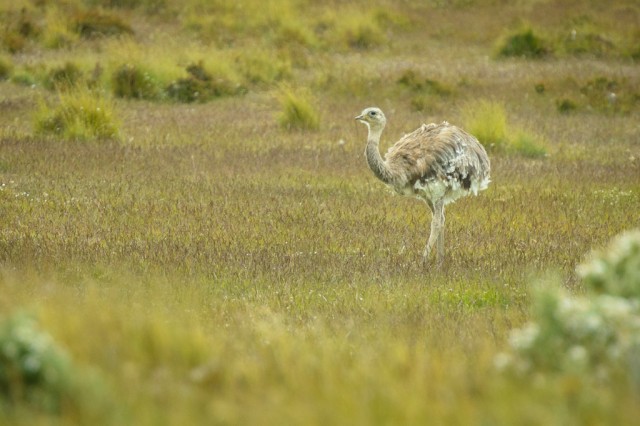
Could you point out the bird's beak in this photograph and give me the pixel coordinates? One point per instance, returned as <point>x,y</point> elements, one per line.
<point>360,117</point>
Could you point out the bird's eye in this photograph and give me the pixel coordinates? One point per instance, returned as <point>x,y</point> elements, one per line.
<point>372,113</point>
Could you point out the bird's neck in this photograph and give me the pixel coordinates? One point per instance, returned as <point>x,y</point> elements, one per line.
<point>374,159</point>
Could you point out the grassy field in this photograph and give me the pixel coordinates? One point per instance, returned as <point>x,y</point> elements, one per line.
<point>187,212</point>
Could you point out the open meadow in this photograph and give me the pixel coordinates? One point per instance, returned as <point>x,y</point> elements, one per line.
<point>190,234</point>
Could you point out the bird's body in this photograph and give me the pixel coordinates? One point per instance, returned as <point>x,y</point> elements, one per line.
<point>437,163</point>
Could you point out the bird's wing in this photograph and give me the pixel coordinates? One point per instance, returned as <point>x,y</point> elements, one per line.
<point>441,151</point>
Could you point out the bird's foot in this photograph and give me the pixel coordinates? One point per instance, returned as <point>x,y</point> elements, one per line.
<point>435,264</point>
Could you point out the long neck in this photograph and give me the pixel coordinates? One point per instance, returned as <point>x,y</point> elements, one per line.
<point>374,159</point>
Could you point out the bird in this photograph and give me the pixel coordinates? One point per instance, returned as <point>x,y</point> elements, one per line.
<point>436,163</point>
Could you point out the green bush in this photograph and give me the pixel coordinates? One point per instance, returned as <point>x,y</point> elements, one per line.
<point>616,270</point>
<point>6,67</point>
<point>297,111</point>
<point>523,44</point>
<point>595,336</point>
<point>78,115</point>
<point>566,105</point>
<point>32,367</point>
<point>95,23</point>
<point>129,81</point>
<point>202,85</point>
<point>188,90</point>
<point>422,84</point>
<point>64,77</point>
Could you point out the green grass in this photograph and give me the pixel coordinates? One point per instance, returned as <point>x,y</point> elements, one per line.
<point>487,120</point>
<point>209,265</point>
<point>298,112</point>
<point>77,115</point>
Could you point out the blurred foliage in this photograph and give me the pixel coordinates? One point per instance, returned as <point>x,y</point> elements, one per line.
<point>33,367</point>
<point>616,269</point>
<point>64,77</point>
<point>78,115</point>
<point>597,336</point>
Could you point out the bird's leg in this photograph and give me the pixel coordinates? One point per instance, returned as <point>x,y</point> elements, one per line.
<point>436,237</point>
<point>427,249</point>
<point>440,242</point>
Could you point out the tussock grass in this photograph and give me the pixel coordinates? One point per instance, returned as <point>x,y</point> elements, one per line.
<point>129,81</point>
<point>78,115</point>
<point>297,110</point>
<point>487,121</point>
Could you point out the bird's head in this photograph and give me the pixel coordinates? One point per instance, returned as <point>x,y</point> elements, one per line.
<point>373,118</point>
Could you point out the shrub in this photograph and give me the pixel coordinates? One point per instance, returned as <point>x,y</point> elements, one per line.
<point>95,23</point>
<point>566,105</point>
<point>202,85</point>
<point>596,336</point>
<point>523,44</point>
<point>5,68</point>
<point>32,367</point>
<point>64,77</point>
<point>616,270</point>
<point>297,111</point>
<point>419,83</point>
<point>129,81</point>
<point>79,115</point>
<point>188,90</point>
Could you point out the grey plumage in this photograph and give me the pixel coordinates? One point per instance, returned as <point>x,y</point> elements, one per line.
<point>437,163</point>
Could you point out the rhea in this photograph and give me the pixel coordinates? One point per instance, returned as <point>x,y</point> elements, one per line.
<point>436,163</point>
